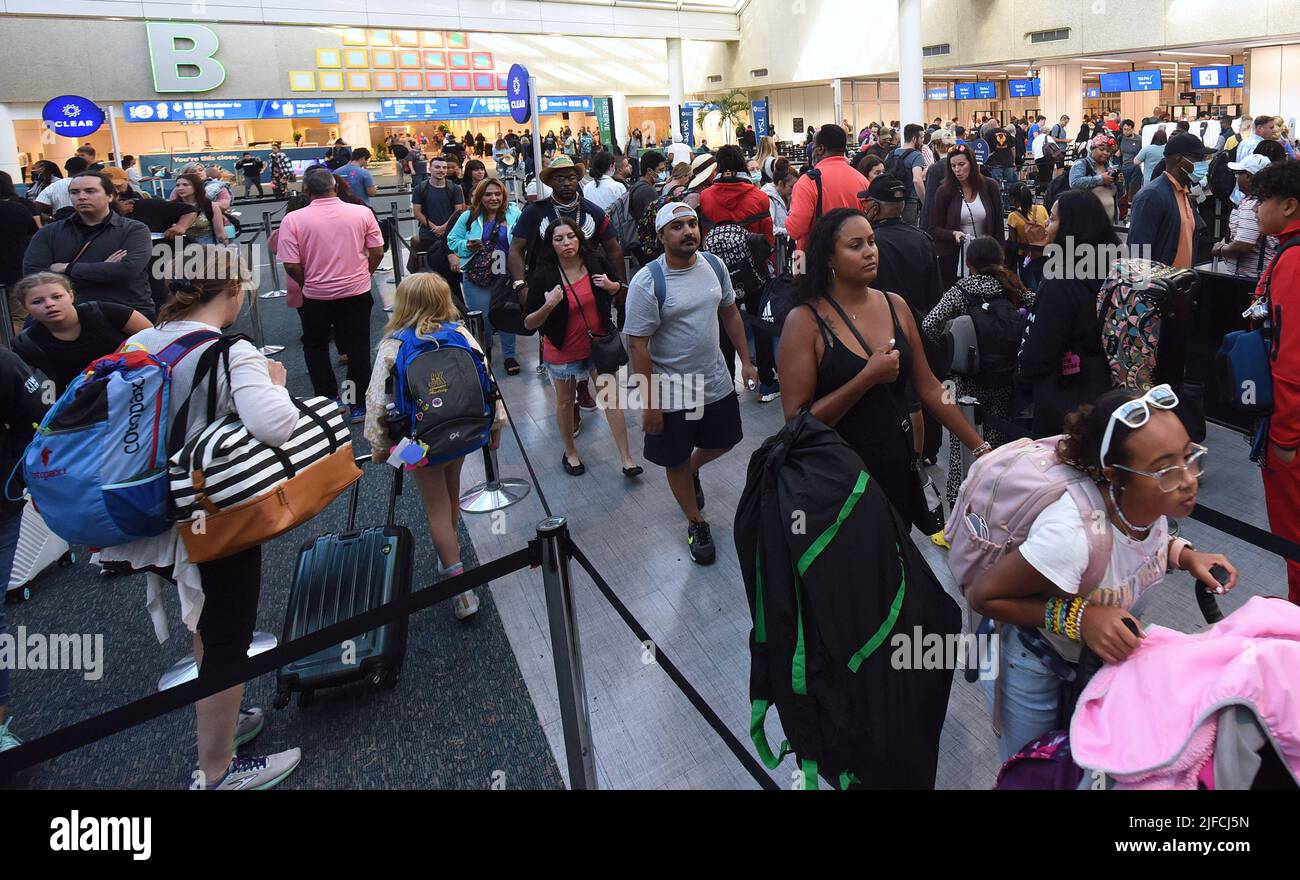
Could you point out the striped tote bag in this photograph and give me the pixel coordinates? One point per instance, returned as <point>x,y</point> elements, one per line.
<point>232,492</point>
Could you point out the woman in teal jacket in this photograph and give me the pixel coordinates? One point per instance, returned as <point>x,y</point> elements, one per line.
<point>481,239</point>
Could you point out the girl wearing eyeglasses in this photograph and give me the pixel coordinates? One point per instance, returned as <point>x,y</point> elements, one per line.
<point>1145,470</point>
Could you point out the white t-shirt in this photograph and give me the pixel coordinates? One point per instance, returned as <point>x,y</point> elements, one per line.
<point>1057,547</point>
<point>56,194</point>
<point>604,192</point>
<point>1039,140</point>
<point>678,153</point>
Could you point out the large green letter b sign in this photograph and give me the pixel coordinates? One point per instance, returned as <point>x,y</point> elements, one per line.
<point>182,57</point>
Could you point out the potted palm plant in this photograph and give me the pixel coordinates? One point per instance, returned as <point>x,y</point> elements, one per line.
<point>732,109</point>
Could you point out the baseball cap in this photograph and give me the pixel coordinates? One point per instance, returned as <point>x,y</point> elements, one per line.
<point>1184,143</point>
<point>1252,164</point>
<point>887,188</point>
<point>672,211</point>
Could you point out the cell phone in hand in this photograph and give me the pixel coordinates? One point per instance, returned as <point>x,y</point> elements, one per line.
<point>1220,574</point>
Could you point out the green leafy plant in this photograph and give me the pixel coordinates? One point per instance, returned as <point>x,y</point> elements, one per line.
<point>732,109</point>
<point>297,136</point>
<point>381,152</point>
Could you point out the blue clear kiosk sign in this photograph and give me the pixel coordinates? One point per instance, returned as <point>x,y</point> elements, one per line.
<point>517,94</point>
<point>72,116</point>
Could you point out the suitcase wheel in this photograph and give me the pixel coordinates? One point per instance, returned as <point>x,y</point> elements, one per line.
<point>281,699</point>
<point>67,559</point>
<point>305,698</point>
<point>18,594</point>
<point>384,678</point>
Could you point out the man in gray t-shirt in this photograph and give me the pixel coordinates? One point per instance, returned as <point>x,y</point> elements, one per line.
<point>676,306</point>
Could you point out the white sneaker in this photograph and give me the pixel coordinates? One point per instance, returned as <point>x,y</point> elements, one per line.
<point>465,605</point>
<point>251,722</point>
<point>258,772</point>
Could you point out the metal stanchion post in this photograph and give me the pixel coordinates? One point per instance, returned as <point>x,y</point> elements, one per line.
<point>553,533</point>
<point>395,247</point>
<point>495,492</point>
<point>276,290</point>
<point>260,332</point>
<point>967,405</point>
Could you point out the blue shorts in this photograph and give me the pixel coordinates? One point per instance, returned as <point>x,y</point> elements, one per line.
<point>569,371</point>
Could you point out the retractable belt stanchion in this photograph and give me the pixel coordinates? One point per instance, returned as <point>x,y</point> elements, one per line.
<point>553,533</point>
<point>395,246</point>
<point>276,290</point>
<point>495,492</point>
<point>259,331</point>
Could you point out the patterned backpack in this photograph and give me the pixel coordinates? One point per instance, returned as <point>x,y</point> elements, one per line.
<point>1133,306</point>
<point>646,234</point>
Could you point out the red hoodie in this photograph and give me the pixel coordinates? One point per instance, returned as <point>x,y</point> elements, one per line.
<point>738,200</point>
<point>1284,426</point>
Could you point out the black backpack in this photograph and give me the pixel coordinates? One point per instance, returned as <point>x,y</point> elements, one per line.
<point>833,580</point>
<point>1222,179</point>
<point>744,253</point>
<point>896,167</point>
<point>999,329</point>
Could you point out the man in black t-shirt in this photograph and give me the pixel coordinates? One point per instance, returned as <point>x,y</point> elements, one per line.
<point>252,170</point>
<point>434,202</point>
<point>165,218</point>
<point>400,153</point>
<point>1002,158</point>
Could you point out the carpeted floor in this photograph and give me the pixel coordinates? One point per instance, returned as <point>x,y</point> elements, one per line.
<point>460,718</point>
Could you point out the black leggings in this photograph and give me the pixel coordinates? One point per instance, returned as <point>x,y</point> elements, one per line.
<point>231,588</point>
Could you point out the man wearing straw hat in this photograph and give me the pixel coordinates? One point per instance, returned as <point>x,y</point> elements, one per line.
<point>563,176</point>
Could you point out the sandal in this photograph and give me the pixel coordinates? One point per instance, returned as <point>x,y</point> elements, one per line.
<point>573,470</point>
<point>632,472</point>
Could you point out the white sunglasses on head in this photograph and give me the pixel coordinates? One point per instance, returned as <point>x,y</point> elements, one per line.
<point>1136,413</point>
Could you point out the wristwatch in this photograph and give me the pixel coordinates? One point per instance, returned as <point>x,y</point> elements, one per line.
<point>518,284</point>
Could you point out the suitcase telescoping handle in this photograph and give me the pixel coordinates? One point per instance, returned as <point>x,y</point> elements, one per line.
<point>391,518</point>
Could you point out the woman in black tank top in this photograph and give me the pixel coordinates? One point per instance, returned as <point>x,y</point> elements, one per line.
<point>849,352</point>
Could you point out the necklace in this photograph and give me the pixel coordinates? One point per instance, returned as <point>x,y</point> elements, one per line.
<point>571,206</point>
<point>1144,530</point>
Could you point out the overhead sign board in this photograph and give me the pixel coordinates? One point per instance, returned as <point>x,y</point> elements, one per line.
<point>210,110</point>
<point>72,116</point>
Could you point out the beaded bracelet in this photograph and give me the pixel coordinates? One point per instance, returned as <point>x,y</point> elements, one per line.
<point>1050,615</point>
<point>1074,624</point>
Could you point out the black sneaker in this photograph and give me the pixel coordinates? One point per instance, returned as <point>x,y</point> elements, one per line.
<point>699,490</point>
<point>700,542</point>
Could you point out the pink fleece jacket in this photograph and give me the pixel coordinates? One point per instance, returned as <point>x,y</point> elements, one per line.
<point>1143,720</point>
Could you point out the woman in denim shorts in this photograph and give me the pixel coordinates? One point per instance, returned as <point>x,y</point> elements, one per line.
<point>570,297</point>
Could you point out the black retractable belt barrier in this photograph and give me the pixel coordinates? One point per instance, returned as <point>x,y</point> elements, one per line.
<point>688,690</point>
<point>661,659</point>
<point>82,733</point>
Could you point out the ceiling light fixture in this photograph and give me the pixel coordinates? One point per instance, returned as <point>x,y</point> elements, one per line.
<point>1194,54</point>
<point>1107,60</point>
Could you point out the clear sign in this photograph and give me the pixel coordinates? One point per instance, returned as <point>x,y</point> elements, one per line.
<point>517,94</point>
<point>980,148</point>
<point>213,110</point>
<point>72,116</point>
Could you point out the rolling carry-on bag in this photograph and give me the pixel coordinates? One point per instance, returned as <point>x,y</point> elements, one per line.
<point>338,577</point>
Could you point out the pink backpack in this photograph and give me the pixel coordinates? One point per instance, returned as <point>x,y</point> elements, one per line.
<point>1001,497</point>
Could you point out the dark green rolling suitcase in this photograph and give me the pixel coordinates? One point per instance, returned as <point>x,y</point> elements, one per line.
<point>340,576</point>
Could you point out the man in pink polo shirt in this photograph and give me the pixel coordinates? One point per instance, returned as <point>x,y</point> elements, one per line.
<point>331,248</point>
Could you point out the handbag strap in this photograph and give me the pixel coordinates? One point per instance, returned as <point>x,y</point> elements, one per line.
<point>90,239</point>
<point>577,303</point>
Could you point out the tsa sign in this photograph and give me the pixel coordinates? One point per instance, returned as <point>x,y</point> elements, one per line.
<point>72,116</point>
<point>517,94</point>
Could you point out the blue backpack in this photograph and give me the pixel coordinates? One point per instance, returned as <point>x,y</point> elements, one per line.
<point>443,389</point>
<point>97,467</point>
